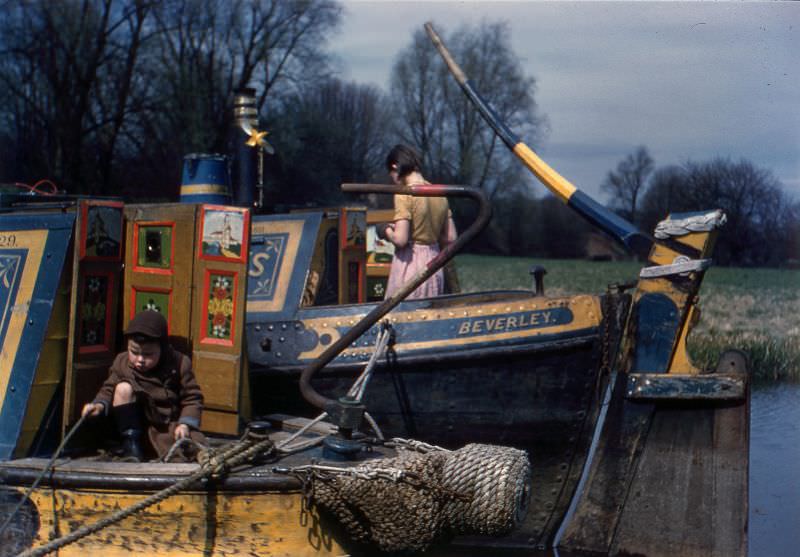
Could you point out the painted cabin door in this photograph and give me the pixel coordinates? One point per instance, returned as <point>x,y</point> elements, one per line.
<point>189,261</point>
<point>159,266</point>
<point>94,302</point>
<point>220,274</point>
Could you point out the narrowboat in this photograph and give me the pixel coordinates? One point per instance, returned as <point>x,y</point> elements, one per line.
<point>496,421</point>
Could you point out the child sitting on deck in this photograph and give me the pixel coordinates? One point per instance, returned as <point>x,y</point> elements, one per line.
<point>153,379</point>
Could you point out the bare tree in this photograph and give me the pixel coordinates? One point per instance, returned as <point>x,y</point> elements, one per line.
<point>434,116</point>
<point>328,134</point>
<point>759,213</point>
<point>663,194</point>
<point>205,50</point>
<point>97,92</point>
<point>68,72</point>
<point>628,182</point>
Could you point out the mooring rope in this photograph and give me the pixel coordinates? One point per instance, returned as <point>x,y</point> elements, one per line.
<point>360,385</point>
<point>183,441</point>
<point>215,465</point>
<point>41,476</point>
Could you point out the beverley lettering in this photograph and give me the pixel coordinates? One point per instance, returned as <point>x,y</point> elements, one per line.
<point>525,320</point>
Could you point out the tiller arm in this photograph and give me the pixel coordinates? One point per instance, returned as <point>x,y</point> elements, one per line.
<point>621,230</point>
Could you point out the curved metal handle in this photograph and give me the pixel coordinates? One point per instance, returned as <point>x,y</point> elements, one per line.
<point>445,255</point>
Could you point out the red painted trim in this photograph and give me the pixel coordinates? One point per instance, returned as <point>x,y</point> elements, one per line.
<point>436,189</point>
<point>153,270</point>
<point>245,232</point>
<point>343,229</point>
<point>204,338</point>
<point>343,214</point>
<point>362,283</point>
<point>85,219</point>
<point>168,291</point>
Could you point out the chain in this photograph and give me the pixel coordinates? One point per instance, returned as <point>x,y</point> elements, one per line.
<point>414,445</point>
<point>324,472</point>
<point>610,313</point>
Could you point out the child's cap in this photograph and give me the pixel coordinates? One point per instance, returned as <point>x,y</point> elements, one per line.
<point>148,323</point>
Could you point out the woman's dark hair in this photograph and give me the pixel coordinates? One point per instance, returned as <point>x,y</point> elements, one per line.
<point>405,158</point>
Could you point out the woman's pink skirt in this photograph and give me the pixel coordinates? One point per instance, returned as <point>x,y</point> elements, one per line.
<point>410,260</point>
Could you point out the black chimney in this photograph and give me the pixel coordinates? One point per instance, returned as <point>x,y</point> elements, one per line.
<point>244,158</point>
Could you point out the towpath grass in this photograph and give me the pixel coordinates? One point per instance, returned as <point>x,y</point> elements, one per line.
<point>755,310</point>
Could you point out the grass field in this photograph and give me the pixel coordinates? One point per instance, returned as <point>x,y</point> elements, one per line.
<point>756,310</point>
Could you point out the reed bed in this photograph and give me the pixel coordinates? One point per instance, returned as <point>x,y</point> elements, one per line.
<point>754,310</point>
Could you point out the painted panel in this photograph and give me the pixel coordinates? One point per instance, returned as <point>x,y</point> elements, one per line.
<point>12,263</point>
<point>223,233</point>
<point>187,524</point>
<point>154,247</point>
<point>219,307</point>
<point>32,254</point>
<point>154,299</point>
<point>354,228</point>
<point>101,235</point>
<point>421,329</point>
<point>174,227</point>
<point>94,317</point>
<point>376,287</point>
<point>281,249</point>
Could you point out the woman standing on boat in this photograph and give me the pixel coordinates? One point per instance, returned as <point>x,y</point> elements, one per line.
<point>421,227</point>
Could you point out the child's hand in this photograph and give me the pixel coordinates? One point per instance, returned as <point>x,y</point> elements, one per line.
<point>181,431</point>
<point>92,409</point>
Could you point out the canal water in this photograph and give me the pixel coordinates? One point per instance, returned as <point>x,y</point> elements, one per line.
<point>775,471</point>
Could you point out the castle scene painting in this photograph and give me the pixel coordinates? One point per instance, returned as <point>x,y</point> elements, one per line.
<point>223,234</point>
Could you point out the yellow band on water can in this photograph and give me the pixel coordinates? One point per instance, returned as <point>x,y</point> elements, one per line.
<point>205,179</point>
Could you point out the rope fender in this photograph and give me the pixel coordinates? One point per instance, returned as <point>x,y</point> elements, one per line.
<point>415,500</point>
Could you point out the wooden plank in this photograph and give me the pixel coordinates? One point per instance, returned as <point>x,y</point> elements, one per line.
<point>656,386</point>
<point>215,421</point>
<point>689,494</point>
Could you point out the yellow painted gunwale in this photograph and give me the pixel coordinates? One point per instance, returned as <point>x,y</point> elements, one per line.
<point>210,523</point>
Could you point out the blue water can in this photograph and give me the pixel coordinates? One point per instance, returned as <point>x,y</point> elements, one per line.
<point>205,179</point>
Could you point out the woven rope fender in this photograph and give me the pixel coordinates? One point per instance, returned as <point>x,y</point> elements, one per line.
<point>479,489</point>
<point>498,481</point>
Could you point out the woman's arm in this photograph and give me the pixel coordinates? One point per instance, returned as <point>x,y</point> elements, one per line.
<point>398,234</point>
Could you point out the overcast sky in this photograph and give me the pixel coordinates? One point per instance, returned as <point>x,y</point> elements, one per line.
<point>689,80</point>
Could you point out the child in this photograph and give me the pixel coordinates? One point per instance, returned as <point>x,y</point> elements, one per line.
<point>154,379</point>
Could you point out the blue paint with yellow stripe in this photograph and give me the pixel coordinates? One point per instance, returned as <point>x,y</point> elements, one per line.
<point>281,248</point>
<point>33,248</point>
